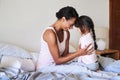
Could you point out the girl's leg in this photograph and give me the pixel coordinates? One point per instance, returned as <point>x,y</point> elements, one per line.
<point>93,66</point>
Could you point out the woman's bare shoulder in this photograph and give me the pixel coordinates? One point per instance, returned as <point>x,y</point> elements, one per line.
<point>49,35</point>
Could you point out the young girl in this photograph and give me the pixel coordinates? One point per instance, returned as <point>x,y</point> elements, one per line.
<point>86,27</point>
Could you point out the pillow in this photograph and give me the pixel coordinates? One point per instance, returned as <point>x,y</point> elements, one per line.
<point>11,65</point>
<point>10,62</point>
<point>35,56</point>
<point>17,62</point>
<point>104,61</point>
<point>9,49</point>
<point>109,64</point>
<point>113,67</point>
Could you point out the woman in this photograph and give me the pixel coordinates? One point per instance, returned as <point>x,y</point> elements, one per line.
<point>55,40</point>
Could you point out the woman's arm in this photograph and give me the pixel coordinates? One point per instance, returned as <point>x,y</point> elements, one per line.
<point>50,37</point>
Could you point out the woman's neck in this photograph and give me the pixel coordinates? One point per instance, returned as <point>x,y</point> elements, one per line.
<point>59,31</point>
<point>57,26</point>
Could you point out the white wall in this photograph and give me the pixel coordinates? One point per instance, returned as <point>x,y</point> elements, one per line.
<point>22,21</point>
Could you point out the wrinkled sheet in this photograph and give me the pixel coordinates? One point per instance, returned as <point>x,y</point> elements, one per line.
<point>13,74</point>
<point>70,76</point>
<point>71,72</point>
<point>7,74</point>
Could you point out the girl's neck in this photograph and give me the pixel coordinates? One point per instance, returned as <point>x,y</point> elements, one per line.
<point>86,32</point>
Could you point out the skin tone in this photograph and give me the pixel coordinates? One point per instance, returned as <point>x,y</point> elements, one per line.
<point>51,38</point>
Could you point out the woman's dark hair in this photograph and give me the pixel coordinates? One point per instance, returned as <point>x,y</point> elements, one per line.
<point>67,12</point>
<point>86,21</point>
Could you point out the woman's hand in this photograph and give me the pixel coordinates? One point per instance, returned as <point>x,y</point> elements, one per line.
<point>89,49</point>
<point>85,51</point>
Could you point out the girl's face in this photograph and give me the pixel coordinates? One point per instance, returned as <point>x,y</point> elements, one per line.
<point>67,24</point>
<point>82,29</point>
<point>79,30</point>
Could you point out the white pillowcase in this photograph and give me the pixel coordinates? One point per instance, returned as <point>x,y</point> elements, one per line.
<point>12,50</point>
<point>35,56</point>
<point>10,62</point>
<point>17,62</point>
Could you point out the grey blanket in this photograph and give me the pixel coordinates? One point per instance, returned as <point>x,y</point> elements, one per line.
<point>71,72</point>
<point>60,76</point>
<point>54,76</point>
<point>12,74</point>
<point>6,74</point>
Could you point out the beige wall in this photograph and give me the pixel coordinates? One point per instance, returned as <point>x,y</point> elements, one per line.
<point>22,21</point>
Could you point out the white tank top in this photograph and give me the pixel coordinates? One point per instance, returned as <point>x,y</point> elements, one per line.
<point>45,57</point>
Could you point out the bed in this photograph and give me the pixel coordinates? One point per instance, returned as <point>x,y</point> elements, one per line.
<point>17,63</point>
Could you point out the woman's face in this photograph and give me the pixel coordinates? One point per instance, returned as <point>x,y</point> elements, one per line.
<point>67,24</point>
